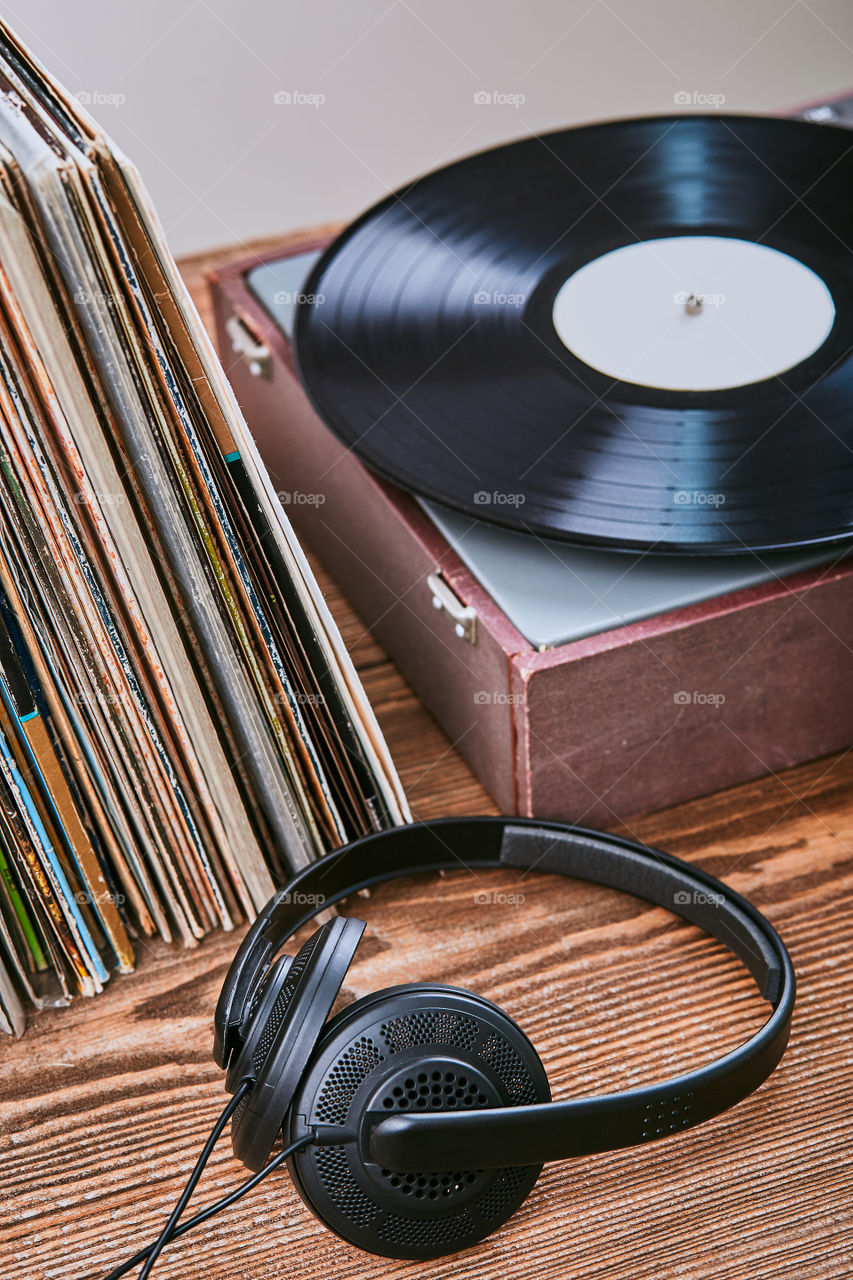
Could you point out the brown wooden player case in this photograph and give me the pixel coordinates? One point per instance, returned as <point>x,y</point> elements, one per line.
<point>592,730</point>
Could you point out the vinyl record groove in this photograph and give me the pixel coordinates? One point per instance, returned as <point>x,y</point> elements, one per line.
<point>431,347</point>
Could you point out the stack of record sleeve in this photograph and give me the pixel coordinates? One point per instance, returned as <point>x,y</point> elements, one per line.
<point>180,724</point>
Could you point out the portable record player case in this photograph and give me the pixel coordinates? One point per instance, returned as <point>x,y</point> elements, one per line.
<point>619,723</point>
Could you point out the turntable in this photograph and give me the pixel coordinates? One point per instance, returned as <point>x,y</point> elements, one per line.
<point>586,448</point>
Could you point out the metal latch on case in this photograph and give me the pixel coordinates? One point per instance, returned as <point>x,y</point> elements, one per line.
<point>463,616</point>
<point>246,345</point>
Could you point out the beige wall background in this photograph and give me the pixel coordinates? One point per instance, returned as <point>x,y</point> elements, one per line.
<point>253,118</point>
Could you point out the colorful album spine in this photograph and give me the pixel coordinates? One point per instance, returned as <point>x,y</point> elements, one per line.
<point>22,915</point>
<point>51,864</point>
<point>22,705</point>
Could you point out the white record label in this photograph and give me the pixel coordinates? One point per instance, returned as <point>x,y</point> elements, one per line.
<point>693,313</point>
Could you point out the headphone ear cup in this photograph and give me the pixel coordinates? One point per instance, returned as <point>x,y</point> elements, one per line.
<point>413,1048</point>
<point>287,1017</point>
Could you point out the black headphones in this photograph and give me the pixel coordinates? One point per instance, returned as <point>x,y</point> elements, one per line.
<point>416,1121</point>
<point>419,1117</point>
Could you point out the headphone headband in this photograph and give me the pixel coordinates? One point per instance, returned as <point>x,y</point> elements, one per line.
<point>546,1131</point>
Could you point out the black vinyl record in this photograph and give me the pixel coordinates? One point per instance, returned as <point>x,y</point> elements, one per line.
<point>427,339</point>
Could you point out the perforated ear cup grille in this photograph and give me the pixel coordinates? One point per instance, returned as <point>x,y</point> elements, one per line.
<point>282,1004</point>
<point>263,1022</point>
<point>431,1048</point>
<point>435,1186</point>
<point>411,1234</point>
<point>237,1114</point>
<point>436,1084</point>
<point>429,1237</point>
<point>344,1079</point>
<point>429,1028</point>
<point>347,1195</point>
<point>262,1005</point>
<point>434,1089</point>
<point>509,1068</point>
<point>271,1026</point>
<point>286,1021</point>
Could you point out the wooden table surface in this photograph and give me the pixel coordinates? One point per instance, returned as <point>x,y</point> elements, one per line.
<point>106,1104</point>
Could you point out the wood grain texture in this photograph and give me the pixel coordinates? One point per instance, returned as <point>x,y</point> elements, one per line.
<point>105,1104</point>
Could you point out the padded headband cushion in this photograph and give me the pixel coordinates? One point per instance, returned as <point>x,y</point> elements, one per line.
<point>677,888</point>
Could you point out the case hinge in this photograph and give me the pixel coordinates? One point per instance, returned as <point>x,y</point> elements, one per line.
<point>463,616</point>
<point>245,344</point>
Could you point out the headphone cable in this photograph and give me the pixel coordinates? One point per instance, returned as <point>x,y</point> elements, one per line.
<point>171,1230</point>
